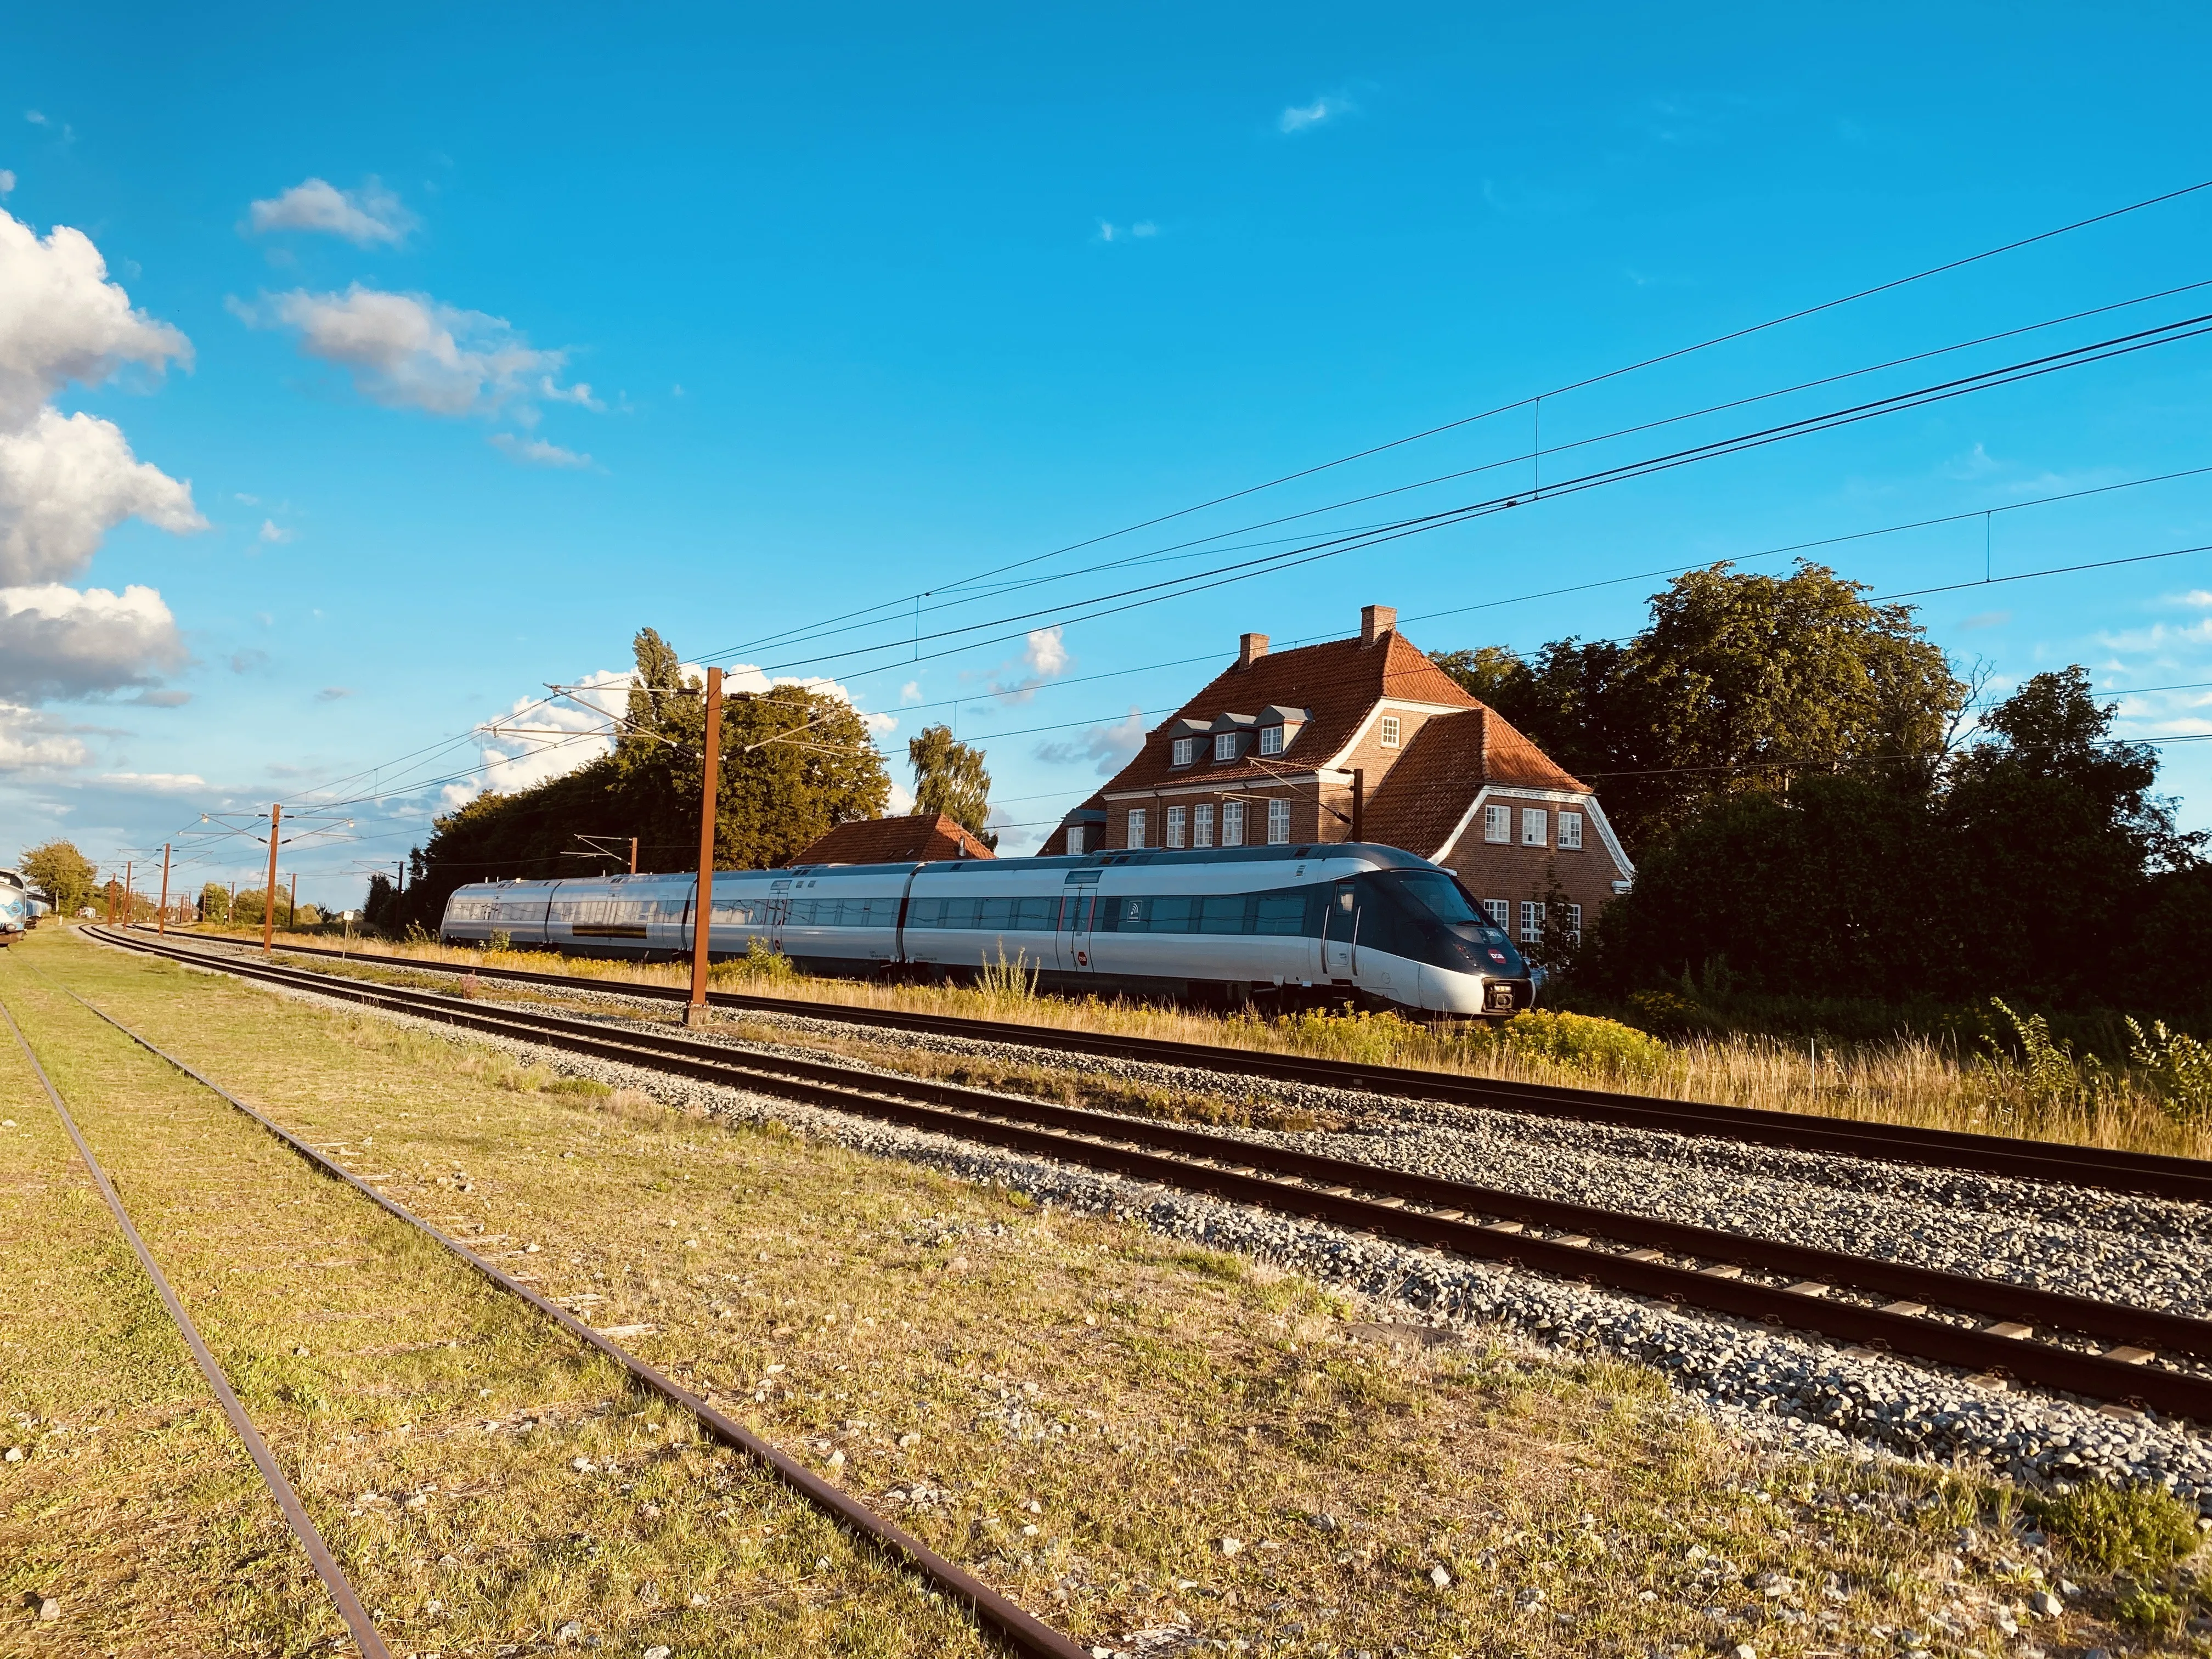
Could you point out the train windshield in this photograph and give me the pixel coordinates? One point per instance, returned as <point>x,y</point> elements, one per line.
<point>1440,895</point>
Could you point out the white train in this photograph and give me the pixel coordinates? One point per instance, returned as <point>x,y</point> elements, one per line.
<point>1289,924</point>
<point>14,907</point>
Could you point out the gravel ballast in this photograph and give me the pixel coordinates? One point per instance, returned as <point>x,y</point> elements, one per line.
<point>1791,1393</point>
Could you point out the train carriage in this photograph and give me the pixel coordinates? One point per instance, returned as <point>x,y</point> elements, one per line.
<point>14,907</point>
<point>1284,923</point>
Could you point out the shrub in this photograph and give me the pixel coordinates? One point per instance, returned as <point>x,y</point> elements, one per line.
<point>1669,1014</point>
<point>1582,1043</point>
<point>2045,1070</point>
<point>2179,1067</point>
<point>1361,1037</point>
<point>2121,1528</point>
<point>761,963</point>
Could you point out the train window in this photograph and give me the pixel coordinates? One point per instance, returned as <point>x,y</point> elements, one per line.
<point>1225,914</point>
<point>1281,913</point>
<point>1172,916</point>
<point>925,913</point>
<point>1034,915</point>
<point>1438,894</point>
<point>1570,831</point>
<point>961,912</point>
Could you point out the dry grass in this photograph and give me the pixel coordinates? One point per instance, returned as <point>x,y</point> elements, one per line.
<point>976,1367</point>
<point>1912,1081</point>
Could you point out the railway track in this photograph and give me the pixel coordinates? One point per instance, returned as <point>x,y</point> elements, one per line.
<point>1022,1632</point>
<point>2062,1163</point>
<point>2104,1351</point>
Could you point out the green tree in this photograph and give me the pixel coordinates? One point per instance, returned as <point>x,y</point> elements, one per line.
<point>66,874</point>
<point>215,904</point>
<point>949,778</point>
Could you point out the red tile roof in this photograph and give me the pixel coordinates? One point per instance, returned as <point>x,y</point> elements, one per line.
<point>893,840</point>
<point>1421,799</point>
<point>1338,682</point>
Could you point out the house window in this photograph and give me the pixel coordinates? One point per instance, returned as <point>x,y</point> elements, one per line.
<point>1204,837</point>
<point>1136,826</point>
<point>1498,825</point>
<point>1074,838</point>
<point>1224,745</point>
<point>1532,922</point>
<point>1500,912</point>
<point>1271,739</point>
<point>1389,731</point>
<point>1570,831</point>
<point>1186,750</point>
<point>1232,823</point>
<point>1175,826</point>
<point>1278,823</point>
<point>1575,922</point>
<point>1533,824</point>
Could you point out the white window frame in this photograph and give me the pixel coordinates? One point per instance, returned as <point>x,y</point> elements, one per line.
<point>1175,826</point>
<point>1500,912</point>
<point>1232,823</point>
<point>1278,823</point>
<point>1575,922</point>
<point>1201,828</point>
<point>1388,731</point>
<point>1271,739</point>
<point>1074,840</point>
<point>1532,922</point>
<point>1186,752</point>
<point>1498,824</point>
<point>1136,836</point>
<point>1570,831</point>
<point>1224,745</point>
<point>1535,827</point>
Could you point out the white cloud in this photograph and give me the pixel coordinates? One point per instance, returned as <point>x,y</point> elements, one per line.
<point>1110,746</point>
<point>910,692</point>
<point>56,642</point>
<point>273,531</point>
<point>410,351</point>
<point>156,783</point>
<point>32,741</point>
<point>1044,657</point>
<point>901,802</point>
<point>6,181</point>
<point>2196,599</point>
<point>35,119</point>
<point>1298,117</point>
<point>535,451</point>
<point>65,481</point>
<point>364,216</point>
<point>1106,232</point>
<point>61,319</point>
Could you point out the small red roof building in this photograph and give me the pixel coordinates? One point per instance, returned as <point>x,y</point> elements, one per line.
<point>893,840</point>
<point>1366,734</point>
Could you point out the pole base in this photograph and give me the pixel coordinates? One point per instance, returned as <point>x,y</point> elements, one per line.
<point>695,1013</point>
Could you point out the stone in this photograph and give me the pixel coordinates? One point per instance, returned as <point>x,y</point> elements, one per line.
<point>1437,1574</point>
<point>660,1651</point>
<point>15,1454</point>
<point>697,1600</point>
<point>1741,1650</point>
<point>1231,1546</point>
<point>906,1441</point>
<point>571,1631</point>
<point>50,1607</point>
<point>2046,1604</point>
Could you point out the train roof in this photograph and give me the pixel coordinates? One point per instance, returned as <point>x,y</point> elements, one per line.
<point>1370,853</point>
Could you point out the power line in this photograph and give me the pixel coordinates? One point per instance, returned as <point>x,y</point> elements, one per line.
<point>1558,391</point>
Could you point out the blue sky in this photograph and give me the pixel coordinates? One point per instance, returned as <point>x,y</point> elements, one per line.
<point>510,330</point>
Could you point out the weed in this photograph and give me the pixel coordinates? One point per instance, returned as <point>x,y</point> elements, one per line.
<point>2149,1609</point>
<point>2177,1066</point>
<point>1578,1042</point>
<point>762,965</point>
<point>1008,984</point>
<point>2121,1528</point>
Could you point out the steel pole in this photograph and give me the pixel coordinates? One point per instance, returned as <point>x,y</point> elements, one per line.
<point>269,910</point>
<point>695,1012</point>
<point>161,923</point>
<point>633,855</point>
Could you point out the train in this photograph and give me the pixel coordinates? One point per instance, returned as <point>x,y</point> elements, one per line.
<point>1288,926</point>
<point>14,907</point>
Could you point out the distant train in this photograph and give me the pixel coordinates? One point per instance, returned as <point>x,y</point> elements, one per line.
<point>14,907</point>
<point>1290,925</point>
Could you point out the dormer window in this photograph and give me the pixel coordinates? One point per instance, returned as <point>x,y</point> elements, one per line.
<point>1271,739</point>
<point>1389,733</point>
<point>1186,750</point>
<point>1224,745</point>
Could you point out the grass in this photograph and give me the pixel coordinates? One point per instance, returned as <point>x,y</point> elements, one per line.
<point>970,1364</point>
<point>1910,1080</point>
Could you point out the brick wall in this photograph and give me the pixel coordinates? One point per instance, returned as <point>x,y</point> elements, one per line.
<point>1514,872</point>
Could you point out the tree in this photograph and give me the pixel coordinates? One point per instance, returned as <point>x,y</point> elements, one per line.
<point>795,762</point>
<point>1741,684</point>
<point>380,909</point>
<point>66,874</point>
<point>215,904</point>
<point>949,778</point>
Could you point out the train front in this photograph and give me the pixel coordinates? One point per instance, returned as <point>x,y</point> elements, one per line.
<point>1468,966</point>
<point>15,907</point>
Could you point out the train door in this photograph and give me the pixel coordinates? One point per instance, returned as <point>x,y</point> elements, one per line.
<point>1340,934</point>
<point>779,912</point>
<point>1076,908</point>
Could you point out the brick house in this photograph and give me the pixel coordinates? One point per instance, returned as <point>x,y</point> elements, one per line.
<point>893,840</point>
<point>1363,739</point>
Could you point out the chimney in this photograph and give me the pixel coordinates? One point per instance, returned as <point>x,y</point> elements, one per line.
<point>1250,647</point>
<point>1375,621</point>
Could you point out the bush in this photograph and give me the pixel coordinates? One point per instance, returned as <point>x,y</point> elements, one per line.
<point>761,963</point>
<point>1669,1014</point>
<point>2121,1528</point>
<point>1581,1042</point>
<point>2178,1068</point>
<point>1372,1039</point>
